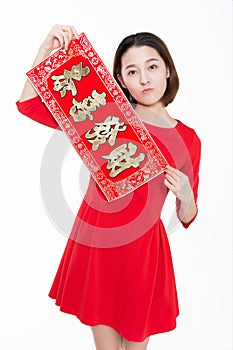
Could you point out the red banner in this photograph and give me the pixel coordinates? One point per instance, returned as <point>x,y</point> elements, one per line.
<point>92,110</point>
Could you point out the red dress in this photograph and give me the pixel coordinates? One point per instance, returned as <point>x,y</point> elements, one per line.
<point>117,268</point>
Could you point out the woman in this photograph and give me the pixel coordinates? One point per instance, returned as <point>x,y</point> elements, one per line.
<point>126,290</point>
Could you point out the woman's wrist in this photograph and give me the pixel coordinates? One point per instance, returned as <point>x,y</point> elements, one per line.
<point>42,54</point>
<point>188,198</point>
<point>188,209</point>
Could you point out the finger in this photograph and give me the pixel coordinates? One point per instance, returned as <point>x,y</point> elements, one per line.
<point>60,38</point>
<point>170,168</point>
<point>66,40</point>
<point>174,173</point>
<point>75,33</point>
<point>169,185</point>
<point>64,30</point>
<point>63,37</point>
<point>171,179</point>
<point>68,31</point>
<point>58,32</point>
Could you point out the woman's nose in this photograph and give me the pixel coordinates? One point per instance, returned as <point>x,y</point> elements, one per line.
<point>144,79</point>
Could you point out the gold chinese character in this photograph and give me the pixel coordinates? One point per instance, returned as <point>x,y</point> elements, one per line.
<point>105,130</point>
<point>120,159</point>
<point>80,110</point>
<point>65,82</point>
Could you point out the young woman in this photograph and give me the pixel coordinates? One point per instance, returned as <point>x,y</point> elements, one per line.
<point>126,290</point>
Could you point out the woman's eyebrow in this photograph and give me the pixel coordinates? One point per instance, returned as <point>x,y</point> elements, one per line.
<point>147,61</point>
<point>130,66</point>
<point>152,59</point>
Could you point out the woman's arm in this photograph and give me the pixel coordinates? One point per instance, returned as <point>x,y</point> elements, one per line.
<point>58,36</point>
<point>184,184</point>
<point>179,184</point>
<point>28,90</point>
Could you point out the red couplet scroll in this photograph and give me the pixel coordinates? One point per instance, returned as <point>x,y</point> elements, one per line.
<point>92,110</point>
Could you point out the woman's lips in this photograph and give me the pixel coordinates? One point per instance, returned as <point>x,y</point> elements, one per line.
<point>147,91</point>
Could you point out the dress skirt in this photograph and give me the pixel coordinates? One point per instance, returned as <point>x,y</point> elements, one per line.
<point>130,288</point>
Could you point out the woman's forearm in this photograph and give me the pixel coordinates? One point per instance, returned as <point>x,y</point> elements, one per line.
<point>28,90</point>
<point>179,184</point>
<point>187,210</point>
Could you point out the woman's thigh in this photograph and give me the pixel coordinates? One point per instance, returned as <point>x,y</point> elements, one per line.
<point>130,345</point>
<point>106,338</point>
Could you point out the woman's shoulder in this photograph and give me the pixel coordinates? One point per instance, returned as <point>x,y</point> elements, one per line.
<point>188,131</point>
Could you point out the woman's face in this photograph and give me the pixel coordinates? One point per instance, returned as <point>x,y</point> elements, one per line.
<point>144,74</point>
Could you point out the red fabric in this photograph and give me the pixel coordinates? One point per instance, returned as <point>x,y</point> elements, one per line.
<point>117,266</point>
<point>36,110</point>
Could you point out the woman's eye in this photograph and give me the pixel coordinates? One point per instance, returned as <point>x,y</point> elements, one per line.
<point>153,67</point>
<point>132,72</point>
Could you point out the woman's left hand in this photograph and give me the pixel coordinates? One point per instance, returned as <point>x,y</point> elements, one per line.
<point>178,183</point>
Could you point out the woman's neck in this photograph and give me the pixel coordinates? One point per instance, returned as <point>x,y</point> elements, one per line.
<point>156,115</point>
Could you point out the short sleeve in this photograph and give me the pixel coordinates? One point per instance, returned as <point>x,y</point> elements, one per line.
<point>35,109</point>
<point>191,169</point>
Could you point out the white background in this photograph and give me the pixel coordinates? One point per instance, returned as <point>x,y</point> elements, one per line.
<point>199,37</point>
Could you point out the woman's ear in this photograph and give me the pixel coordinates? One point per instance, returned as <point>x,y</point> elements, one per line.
<point>121,81</point>
<point>168,73</point>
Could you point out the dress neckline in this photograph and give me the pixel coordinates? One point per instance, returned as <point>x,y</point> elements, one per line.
<point>161,127</point>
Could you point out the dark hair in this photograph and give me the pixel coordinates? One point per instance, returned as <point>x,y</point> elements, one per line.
<point>148,39</point>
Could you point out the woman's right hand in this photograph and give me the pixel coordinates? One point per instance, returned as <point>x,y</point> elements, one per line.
<point>58,36</point>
